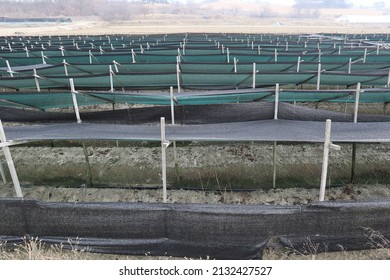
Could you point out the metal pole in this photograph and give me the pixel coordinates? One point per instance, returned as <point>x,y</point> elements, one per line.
<point>10,162</point>
<point>74,99</point>
<point>235,65</point>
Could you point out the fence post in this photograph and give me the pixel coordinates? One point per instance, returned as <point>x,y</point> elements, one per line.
<point>74,99</point>
<point>164,145</point>
<point>10,163</point>
<point>325,163</point>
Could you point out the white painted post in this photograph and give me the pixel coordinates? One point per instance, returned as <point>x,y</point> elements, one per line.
<point>65,67</point>
<point>172,106</point>
<point>325,159</point>
<point>10,163</point>
<point>235,65</point>
<point>357,98</point>
<point>74,99</point>
<point>133,55</point>
<point>319,76</point>
<point>254,75</point>
<point>365,55</point>
<point>350,66</point>
<point>327,145</point>
<point>90,56</point>
<point>276,55</point>
<point>11,73</point>
<point>27,52</point>
<point>319,55</point>
<point>388,80</point>
<point>164,146</point>
<point>228,55</point>
<point>299,64</point>
<point>116,66</point>
<point>36,80</point>
<point>43,58</point>
<point>62,51</point>
<point>178,73</point>
<point>276,109</point>
<point>275,143</point>
<point>111,79</point>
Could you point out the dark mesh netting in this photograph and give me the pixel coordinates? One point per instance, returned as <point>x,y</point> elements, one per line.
<point>196,230</point>
<point>191,114</point>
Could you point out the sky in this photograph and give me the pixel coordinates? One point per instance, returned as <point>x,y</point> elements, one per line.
<point>357,3</point>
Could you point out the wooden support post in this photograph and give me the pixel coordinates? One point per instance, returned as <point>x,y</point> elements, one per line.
<point>327,146</point>
<point>276,108</point>
<point>353,164</point>
<point>274,165</point>
<point>36,78</point>
<point>254,75</point>
<point>178,73</point>
<point>357,98</point>
<point>349,65</point>
<point>74,99</point>
<point>299,64</point>
<point>365,55</point>
<point>173,123</point>
<point>27,52</point>
<point>319,76</point>
<point>11,73</point>
<point>111,78</point>
<point>164,145</point>
<point>132,55</point>
<point>10,163</point>
<point>2,173</point>
<point>388,79</point>
<point>65,67</point>
<point>90,56</point>
<point>43,58</point>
